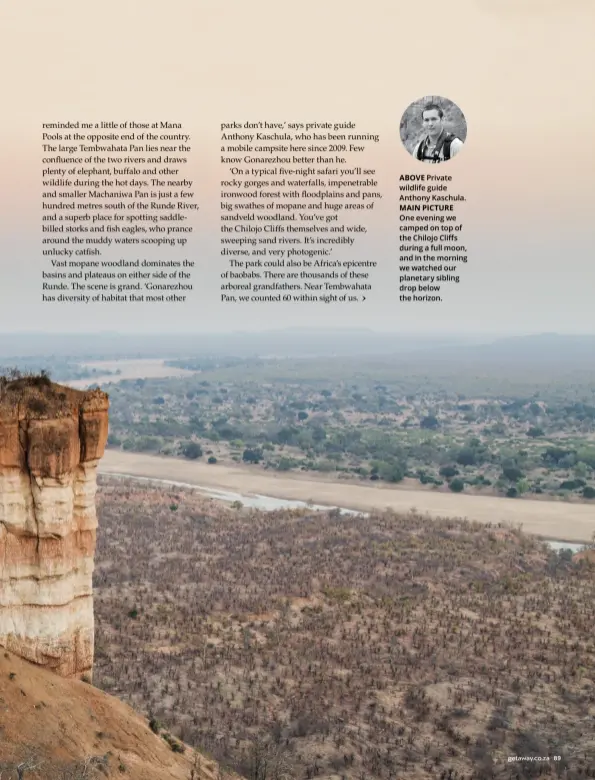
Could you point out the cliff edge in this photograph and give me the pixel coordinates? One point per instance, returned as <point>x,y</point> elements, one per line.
<point>51,440</point>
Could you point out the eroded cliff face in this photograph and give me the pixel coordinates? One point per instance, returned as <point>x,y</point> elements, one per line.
<point>51,440</point>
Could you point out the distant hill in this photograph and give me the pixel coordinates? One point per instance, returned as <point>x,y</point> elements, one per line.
<point>544,350</point>
<point>291,342</point>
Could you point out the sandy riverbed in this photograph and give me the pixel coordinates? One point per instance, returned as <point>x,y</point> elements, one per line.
<point>550,519</point>
<point>143,368</point>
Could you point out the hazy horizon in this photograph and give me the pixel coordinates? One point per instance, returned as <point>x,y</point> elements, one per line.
<point>341,330</point>
<point>322,330</point>
<point>557,350</point>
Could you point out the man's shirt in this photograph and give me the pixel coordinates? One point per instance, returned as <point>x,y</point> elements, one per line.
<point>428,149</point>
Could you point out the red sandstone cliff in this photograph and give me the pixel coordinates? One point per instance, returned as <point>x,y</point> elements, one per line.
<point>51,439</point>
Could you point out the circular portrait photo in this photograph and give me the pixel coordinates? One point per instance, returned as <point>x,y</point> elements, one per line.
<point>433,129</point>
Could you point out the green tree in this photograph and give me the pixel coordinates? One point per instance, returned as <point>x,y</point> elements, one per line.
<point>522,486</point>
<point>252,456</point>
<point>318,433</point>
<point>457,485</point>
<point>286,435</point>
<point>192,450</point>
<point>391,471</point>
<point>553,455</point>
<point>466,456</point>
<point>587,455</point>
<point>512,472</point>
<point>196,425</point>
<point>429,422</point>
<point>149,443</point>
<point>535,432</point>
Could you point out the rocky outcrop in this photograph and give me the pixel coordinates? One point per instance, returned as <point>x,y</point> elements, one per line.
<point>51,440</point>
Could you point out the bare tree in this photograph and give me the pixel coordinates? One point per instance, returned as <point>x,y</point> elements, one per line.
<point>196,769</point>
<point>30,762</point>
<point>268,761</point>
<point>83,769</point>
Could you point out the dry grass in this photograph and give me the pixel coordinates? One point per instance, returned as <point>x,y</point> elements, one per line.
<point>35,395</point>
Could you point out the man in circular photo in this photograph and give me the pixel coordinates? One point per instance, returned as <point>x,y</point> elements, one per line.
<point>431,130</point>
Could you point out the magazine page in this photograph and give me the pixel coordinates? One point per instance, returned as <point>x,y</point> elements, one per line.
<point>297,390</point>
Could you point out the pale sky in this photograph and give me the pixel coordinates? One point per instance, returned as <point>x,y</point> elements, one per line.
<point>520,70</point>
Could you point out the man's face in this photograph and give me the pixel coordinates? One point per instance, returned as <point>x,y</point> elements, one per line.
<point>432,122</point>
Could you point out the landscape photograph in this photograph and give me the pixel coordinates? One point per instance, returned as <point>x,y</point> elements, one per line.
<point>307,556</point>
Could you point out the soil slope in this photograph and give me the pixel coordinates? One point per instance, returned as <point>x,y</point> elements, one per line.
<point>66,720</point>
